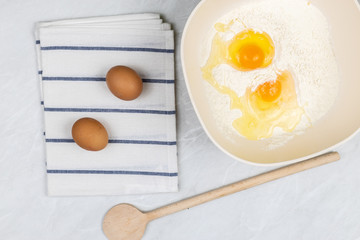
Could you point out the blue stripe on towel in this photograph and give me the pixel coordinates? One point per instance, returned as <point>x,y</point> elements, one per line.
<point>37,42</point>
<point>100,79</point>
<point>40,72</point>
<point>151,142</point>
<point>158,81</point>
<point>96,48</point>
<point>53,171</point>
<point>91,79</point>
<point>142,142</point>
<point>56,140</point>
<point>112,110</point>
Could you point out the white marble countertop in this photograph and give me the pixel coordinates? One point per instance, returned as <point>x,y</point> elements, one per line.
<point>319,204</point>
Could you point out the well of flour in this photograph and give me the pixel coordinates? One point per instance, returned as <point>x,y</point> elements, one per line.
<point>302,41</point>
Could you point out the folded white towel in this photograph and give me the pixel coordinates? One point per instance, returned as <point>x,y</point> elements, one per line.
<point>73,58</point>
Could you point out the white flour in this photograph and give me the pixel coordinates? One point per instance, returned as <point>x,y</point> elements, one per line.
<point>302,41</point>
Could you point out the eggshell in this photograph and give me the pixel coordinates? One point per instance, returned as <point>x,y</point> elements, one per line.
<point>90,134</point>
<point>124,83</point>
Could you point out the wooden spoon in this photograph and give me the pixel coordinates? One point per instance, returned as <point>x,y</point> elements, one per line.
<point>126,222</point>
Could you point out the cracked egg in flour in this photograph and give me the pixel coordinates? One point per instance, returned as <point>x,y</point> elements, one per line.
<point>270,71</point>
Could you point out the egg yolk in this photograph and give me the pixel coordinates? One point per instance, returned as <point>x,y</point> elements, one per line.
<point>269,91</point>
<point>250,56</point>
<point>249,50</point>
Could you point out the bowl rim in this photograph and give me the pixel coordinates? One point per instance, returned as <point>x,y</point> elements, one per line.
<point>331,148</point>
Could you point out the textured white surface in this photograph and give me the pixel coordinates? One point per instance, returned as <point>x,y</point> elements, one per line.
<point>320,204</point>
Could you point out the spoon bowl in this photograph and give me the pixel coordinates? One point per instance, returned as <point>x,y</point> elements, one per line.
<point>124,222</point>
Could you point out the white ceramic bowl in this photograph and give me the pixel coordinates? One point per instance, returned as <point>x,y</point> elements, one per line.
<point>336,127</point>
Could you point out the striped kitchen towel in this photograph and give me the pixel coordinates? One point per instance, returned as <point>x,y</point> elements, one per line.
<point>73,59</point>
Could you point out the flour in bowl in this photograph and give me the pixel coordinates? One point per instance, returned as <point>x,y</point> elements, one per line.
<point>298,51</point>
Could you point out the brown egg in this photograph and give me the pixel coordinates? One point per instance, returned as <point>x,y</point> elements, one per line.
<point>90,134</point>
<point>124,82</point>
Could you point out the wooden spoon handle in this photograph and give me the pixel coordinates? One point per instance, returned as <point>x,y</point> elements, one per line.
<point>244,184</point>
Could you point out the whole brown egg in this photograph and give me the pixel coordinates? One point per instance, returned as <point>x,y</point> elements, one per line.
<point>124,83</point>
<point>90,134</point>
